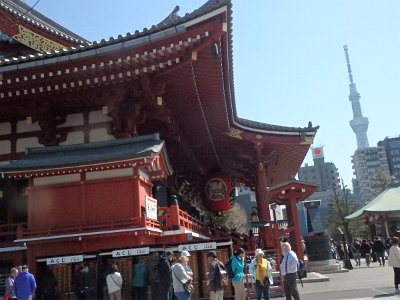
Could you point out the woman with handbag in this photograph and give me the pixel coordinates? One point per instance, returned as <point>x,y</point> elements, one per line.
<point>114,283</point>
<point>182,281</point>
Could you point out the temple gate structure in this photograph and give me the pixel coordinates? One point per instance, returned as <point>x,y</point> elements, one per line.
<point>114,149</point>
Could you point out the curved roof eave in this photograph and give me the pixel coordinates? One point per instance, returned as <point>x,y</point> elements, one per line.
<point>147,36</point>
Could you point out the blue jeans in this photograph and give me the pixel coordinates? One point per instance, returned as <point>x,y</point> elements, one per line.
<point>262,289</point>
<point>182,296</point>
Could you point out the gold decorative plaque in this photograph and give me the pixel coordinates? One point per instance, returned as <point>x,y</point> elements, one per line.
<point>35,41</point>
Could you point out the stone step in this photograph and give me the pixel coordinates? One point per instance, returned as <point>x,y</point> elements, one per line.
<point>343,270</point>
<point>322,262</point>
<point>325,268</point>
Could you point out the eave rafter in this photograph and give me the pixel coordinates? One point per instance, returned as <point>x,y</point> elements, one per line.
<point>126,67</point>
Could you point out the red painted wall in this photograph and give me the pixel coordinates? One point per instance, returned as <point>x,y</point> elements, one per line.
<point>55,206</point>
<point>110,200</point>
<point>89,203</point>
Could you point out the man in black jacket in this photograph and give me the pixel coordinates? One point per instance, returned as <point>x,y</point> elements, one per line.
<point>165,277</point>
<point>379,248</point>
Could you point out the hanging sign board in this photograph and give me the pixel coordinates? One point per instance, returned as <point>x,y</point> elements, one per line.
<point>198,247</point>
<point>64,260</point>
<point>151,208</point>
<point>131,252</point>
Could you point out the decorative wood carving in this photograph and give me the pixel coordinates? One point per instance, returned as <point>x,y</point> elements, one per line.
<point>137,105</point>
<point>48,123</point>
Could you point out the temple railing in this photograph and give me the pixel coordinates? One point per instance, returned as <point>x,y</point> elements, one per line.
<point>132,223</point>
<point>10,232</point>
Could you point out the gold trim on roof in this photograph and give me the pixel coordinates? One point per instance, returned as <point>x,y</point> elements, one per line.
<point>307,140</point>
<point>235,133</point>
<point>35,41</point>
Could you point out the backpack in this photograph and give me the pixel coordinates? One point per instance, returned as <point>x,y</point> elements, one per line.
<point>221,276</point>
<point>301,269</point>
<point>229,270</point>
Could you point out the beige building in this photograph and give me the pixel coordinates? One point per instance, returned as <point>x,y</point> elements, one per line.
<point>369,165</point>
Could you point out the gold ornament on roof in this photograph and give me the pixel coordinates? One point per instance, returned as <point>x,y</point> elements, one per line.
<point>35,41</point>
<point>235,133</point>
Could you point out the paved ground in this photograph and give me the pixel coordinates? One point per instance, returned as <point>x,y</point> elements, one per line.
<point>374,282</point>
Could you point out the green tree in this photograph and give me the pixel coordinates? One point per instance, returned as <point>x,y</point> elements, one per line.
<point>233,219</point>
<point>341,205</point>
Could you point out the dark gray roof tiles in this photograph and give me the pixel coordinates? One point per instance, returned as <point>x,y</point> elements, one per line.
<point>84,154</point>
<point>29,15</point>
<point>172,20</point>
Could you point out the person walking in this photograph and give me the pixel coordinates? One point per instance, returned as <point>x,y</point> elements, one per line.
<point>394,261</point>
<point>24,284</point>
<point>365,251</point>
<point>214,277</point>
<point>379,247</point>
<point>237,265</point>
<point>355,247</point>
<point>288,268</point>
<point>181,277</point>
<point>114,284</point>
<point>165,289</point>
<point>48,285</point>
<point>9,284</point>
<point>261,271</point>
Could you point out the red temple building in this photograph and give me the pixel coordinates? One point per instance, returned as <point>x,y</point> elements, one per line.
<point>114,149</point>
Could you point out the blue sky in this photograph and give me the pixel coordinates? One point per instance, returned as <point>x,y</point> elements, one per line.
<point>289,63</point>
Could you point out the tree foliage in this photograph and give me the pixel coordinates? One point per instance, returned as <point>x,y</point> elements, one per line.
<point>233,219</point>
<point>341,205</point>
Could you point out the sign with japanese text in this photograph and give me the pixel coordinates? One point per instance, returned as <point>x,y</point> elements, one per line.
<point>198,247</point>
<point>64,260</point>
<point>151,208</point>
<point>131,252</point>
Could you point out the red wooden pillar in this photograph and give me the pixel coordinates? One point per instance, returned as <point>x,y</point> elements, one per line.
<point>263,207</point>
<point>296,224</point>
<point>173,209</point>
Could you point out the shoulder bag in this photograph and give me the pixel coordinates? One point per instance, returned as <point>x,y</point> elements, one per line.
<point>187,286</point>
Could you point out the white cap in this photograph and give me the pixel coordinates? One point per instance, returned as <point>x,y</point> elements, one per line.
<point>259,251</point>
<point>185,253</point>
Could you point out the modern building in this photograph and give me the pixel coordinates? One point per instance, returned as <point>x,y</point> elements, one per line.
<point>326,176</point>
<point>392,147</point>
<point>359,123</point>
<point>370,164</point>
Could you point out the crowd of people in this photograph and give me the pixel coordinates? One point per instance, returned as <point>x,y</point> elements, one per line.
<point>376,250</point>
<point>173,281</point>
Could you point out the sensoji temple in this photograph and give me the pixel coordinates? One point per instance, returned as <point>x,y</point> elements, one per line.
<point>113,150</point>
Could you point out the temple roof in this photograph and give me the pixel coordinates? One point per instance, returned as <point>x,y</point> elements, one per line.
<point>386,202</point>
<point>24,12</point>
<point>86,154</point>
<point>186,63</point>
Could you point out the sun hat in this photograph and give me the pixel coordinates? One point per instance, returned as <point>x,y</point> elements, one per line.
<point>258,252</point>
<point>185,253</point>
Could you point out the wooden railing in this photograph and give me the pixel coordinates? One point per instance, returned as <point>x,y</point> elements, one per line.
<point>10,232</point>
<point>80,228</point>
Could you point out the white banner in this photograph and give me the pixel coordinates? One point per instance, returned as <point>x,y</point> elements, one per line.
<point>151,208</point>
<point>198,247</point>
<point>131,252</point>
<point>64,260</point>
